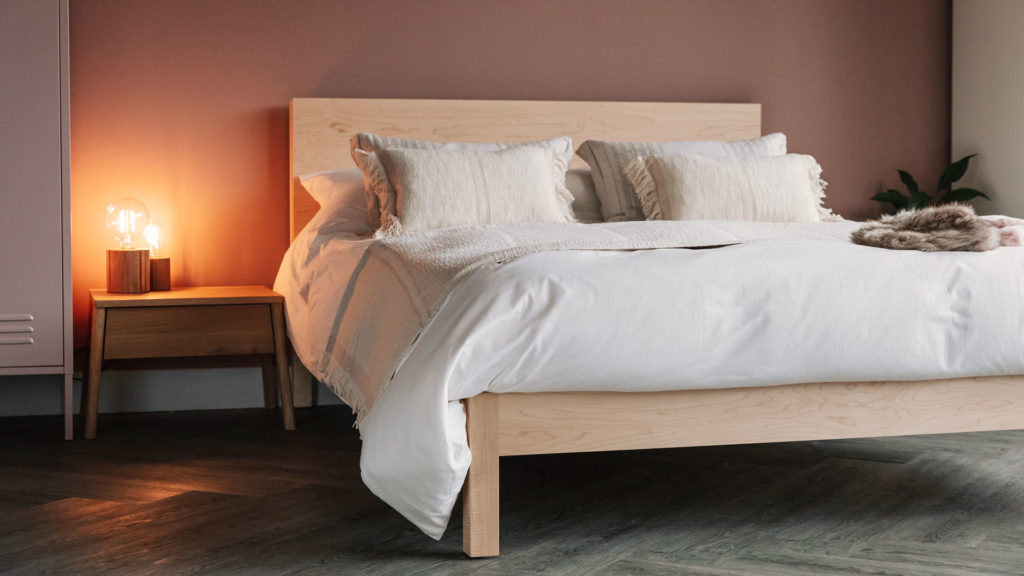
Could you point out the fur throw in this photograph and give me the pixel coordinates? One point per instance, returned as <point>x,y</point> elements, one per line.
<point>1011,230</point>
<point>934,229</point>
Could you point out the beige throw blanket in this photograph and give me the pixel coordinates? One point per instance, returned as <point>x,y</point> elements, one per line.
<point>401,282</point>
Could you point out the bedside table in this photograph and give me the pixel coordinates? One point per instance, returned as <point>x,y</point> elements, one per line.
<point>210,321</point>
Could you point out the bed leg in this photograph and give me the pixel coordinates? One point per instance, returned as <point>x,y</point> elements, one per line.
<point>480,493</point>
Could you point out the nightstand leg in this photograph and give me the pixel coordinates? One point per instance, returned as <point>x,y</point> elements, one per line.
<point>284,380</point>
<point>92,382</point>
<point>269,384</point>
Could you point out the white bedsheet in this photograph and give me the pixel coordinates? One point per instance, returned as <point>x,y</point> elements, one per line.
<point>765,313</point>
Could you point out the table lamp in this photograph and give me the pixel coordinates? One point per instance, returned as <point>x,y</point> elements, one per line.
<point>128,266</point>
<point>159,268</point>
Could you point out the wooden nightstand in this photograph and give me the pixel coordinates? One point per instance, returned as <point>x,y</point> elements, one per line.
<point>211,321</point>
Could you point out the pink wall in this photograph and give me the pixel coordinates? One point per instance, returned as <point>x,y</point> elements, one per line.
<point>183,103</point>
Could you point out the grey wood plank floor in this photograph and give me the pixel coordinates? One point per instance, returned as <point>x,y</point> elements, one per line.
<point>229,492</point>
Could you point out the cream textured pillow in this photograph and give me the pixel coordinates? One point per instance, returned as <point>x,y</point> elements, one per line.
<point>609,160</point>
<point>428,189</point>
<point>374,142</point>
<point>767,189</point>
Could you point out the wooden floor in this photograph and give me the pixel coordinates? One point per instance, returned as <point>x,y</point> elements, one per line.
<point>229,492</point>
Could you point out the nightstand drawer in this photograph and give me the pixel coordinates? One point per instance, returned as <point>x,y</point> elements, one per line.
<point>188,331</point>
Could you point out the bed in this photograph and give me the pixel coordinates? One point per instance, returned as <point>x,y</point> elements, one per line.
<point>524,423</point>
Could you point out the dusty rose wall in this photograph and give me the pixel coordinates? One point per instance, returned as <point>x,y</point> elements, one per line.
<point>183,103</point>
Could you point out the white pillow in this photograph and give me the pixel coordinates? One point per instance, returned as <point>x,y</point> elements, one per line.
<point>429,189</point>
<point>368,142</point>
<point>322,186</point>
<point>342,193</point>
<point>349,190</point>
<point>609,160</point>
<point>767,189</point>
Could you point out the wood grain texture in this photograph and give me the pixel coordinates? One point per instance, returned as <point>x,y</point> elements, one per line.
<point>321,127</point>
<point>480,494</point>
<point>158,332</point>
<point>159,274</point>
<point>91,394</point>
<point>230,492</point>
<point>571,422</point>
<point>127,271</point>
<point>543,423</point>
<point>230,322</point>
<point>280,348</point>
<point>192,296</point>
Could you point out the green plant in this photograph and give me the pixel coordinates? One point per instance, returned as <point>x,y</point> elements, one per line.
<point>944,193</point>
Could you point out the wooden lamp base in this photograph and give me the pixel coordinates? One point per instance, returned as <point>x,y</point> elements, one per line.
<point>159,274</point>
<point>127,271</point>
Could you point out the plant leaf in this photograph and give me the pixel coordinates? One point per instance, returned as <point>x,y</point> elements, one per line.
<point>954,172</point>
<point>919,200</point>
<point>893,197</point>
<point>963,195</point>
<point>909,182</point>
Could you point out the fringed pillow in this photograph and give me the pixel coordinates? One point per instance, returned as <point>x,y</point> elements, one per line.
<point>766,189</point>
<point>609,161</point>
<point>428,189</point>
<point>368,142</point>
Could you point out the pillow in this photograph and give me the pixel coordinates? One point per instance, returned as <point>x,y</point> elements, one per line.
<point>428,189</point>
<point>322,186</point>
<point>608,162</point>
<point>585,205</point>
<point>375,142</point>
<point>344,194</point>
<point>347,186</point>
<point>767,189</point>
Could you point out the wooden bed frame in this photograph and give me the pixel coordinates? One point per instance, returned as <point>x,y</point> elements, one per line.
<point>548,422</point>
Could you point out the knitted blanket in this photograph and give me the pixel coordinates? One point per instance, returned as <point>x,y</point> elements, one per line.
<point>400,283</point>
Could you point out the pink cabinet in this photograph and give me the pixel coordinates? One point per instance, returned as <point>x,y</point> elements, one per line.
<point>35,271</point>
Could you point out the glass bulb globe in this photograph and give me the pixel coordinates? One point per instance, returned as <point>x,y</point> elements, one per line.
<point>126,220</point>
<point>153,233</point>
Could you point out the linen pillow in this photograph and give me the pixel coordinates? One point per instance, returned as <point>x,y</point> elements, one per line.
<point>374,142</point>
<point>428,189</point>
<point>609,160</point>
<point>767,189</point>
<point>585,205</point>
<point>322,186</point>
<point>344,194</point>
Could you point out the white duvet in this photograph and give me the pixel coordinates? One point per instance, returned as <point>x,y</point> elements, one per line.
<point>764,313</point>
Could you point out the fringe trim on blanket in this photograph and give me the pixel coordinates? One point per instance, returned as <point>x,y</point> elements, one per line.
<point>339,381</point>
<point>646,190</point>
